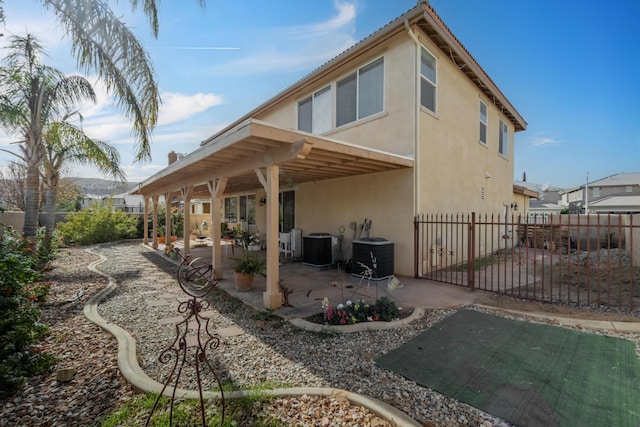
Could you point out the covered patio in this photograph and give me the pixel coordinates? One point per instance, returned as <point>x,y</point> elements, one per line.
<point>256,155</point>
<point>307,287</point>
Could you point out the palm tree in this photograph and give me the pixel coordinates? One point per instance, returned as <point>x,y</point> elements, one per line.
<point>65,143</point>
<point>32,97</point>
<point>103,43</point>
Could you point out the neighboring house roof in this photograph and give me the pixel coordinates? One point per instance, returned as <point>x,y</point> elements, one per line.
<point>619,179</point>
<point>537,188</point>
<point>546,207</point>
<point>616,180</point>
<point>428,20</point>
<point>617,203</point>
<point>128,199</point>
<point>521,189</point>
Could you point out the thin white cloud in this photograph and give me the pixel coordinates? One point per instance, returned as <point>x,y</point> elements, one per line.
<point>542,140</point>
<point>193,48</point>
<point>297,47</point>
<point>177,106</point>
<point>104,121</point>
<point>344,20</point>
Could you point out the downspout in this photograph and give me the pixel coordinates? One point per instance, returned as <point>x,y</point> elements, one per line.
<point>416,151</point>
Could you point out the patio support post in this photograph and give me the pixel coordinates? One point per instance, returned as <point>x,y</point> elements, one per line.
<point>167,218</point>
<point>145,222</point>
<point>216,189</point>
<point>186,227</point>
<point>272,298</point>
<point>155,222</point>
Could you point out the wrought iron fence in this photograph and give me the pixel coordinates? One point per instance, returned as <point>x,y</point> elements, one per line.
<point>583,260</point>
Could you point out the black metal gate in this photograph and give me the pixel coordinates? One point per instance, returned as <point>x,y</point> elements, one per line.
<point>583,260</point>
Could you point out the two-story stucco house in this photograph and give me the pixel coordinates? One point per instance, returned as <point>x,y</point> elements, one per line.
<point>619,193</point>
<point>404,122</point>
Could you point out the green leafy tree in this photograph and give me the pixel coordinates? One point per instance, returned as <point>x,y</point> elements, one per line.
<point>66,143</point>
<point>69,196</point>
<point>12,185</point>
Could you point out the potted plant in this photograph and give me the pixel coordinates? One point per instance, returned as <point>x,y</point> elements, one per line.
<point>196,234</point>
<point>246,267</point>
<point>161,234</point>
<point>254,242</point>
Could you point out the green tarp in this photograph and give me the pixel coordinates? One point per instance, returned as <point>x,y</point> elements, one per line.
<point>526,373</point>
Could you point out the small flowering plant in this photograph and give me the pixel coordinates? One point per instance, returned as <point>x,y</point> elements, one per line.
<point>38,291</point>
<point>254,239</point>
<point>349,313</point>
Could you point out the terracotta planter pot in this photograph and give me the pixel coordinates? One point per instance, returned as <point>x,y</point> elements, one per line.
<point>164,239</point>
<point>243,282</point>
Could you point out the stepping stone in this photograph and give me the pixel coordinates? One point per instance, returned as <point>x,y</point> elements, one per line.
<point>231,331</point>
<point>171,320</point>
<point>169,295</point>
<point>158,303</point>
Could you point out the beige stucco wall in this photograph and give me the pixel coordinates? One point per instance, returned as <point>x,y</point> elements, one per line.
<point>393,129</point>
<point>523,203</point>
<point>454,165</point>
<point>454,171</point>
<point>384,198</point>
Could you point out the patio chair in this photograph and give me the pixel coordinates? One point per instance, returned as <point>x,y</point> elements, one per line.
<point>284,245</point>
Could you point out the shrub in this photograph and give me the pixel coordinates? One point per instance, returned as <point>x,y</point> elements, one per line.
<point>177,222</point>
<point>19,327</point>
<point>97,224</point>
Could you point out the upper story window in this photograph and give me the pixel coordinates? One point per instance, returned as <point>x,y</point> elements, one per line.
<point>595,192</point>
<point>360,94</point>
<point>314,112</point>
<point>483,122</point>
<point>428,80</point>
<point>503,138</point>
<point>629,189</point>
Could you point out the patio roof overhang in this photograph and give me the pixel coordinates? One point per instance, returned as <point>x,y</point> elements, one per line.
<point>252,145</point>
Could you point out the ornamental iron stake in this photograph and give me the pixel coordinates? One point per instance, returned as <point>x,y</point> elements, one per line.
<point>196,279</point>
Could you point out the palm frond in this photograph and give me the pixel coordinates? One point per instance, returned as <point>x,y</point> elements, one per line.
<point>101,42</point>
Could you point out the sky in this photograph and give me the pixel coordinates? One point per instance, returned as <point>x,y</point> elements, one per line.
<point>569,67</point>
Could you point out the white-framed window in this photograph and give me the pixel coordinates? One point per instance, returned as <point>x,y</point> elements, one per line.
<point>595,191</point>
<point>483,123</point>
<point>428,80</point>
<point>629,189</point>
<point>314,112</point>
<point>239,209</point>
<point>360,94</point>
<point>503,138</point>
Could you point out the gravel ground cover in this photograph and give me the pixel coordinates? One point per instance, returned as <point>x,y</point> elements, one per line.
<point>262,349</point>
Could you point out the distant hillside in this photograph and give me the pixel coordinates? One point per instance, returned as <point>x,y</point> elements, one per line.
<point>102,187</point>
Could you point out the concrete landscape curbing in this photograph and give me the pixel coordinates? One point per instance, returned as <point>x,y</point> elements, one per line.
<point>135,375</point>
<point>357,327</point>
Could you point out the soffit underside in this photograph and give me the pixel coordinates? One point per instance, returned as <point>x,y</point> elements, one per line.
<point>301,158</point>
